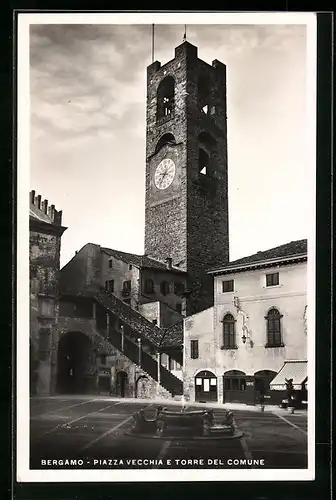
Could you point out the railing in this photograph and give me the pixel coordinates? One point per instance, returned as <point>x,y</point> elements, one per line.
<point>137,355</point>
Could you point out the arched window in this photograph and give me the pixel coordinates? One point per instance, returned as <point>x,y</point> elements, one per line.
<point>165,139</point>
<point>203,161</point>
<point>273,326</point>
<point>229,332</point>
<point>165,98</point>
<point>204,94</point>
<point>206,147</point>
<point>207,141</point>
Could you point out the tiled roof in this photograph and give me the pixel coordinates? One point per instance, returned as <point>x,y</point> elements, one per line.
<point>142,261</point>
<point>173,335</point>
<point>292,249</point>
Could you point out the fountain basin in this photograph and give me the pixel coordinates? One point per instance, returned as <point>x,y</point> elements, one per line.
<point>185,425</point>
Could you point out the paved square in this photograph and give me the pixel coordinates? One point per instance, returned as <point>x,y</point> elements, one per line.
<point>94,431</point>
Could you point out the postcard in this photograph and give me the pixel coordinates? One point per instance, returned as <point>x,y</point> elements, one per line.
<point>166,247</point>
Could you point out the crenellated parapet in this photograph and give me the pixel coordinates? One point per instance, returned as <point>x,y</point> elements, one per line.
<point>54,216</point>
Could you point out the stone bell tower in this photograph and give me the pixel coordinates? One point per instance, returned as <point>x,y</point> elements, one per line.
<point>186,168</point>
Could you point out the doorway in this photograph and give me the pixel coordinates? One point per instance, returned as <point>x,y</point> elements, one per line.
<point>262,380</point>
<point>205,386</point>
<point>74,353</point>
<point>141,387</point>
<point>121,384</point>
<point>234,387</point>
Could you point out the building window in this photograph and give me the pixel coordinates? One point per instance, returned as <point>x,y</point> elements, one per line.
<point>178,367</point>
<point>178,288</point>
<point>109,286</point>
<point>273,321</point>
<point>126,290</point>
<point>234,384</point>
<point>110,263</point>
<point>130,267</point>
<point>102,358</point>
<point>227,286</point>
<point>149,286</point>
<point>229,332</point>
<point>164,360</point>
<point>179,308</point>
<point>164,287</point>
<point>165,98</point>
<point>272,279</point>
<point>194,349</point>
<point>154,321</point>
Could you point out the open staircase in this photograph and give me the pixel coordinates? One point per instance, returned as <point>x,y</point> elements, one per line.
<point>123,327</point>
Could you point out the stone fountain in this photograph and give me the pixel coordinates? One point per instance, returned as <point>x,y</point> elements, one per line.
<point>184,424</point>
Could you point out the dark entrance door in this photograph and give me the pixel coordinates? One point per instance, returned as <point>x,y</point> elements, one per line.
<point>74,353</point>
<point>262,380</point>
<point>122,380</point>
<point>104,384</point>
<point>234,387</point>
<point>205,386</point>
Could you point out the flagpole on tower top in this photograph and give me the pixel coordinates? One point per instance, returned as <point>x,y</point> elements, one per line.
<point>185,33</point>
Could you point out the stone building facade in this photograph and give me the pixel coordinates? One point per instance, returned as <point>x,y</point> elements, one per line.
<point>45,231</point>
<point>153,287</point>
<point>256,324</point>
<point>186,216</point>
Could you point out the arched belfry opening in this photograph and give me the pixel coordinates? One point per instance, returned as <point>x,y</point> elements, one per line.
<point>204,94</point>
<point>206,149</point>
<point>73,361</point>
<point>166,98</point>
<point>166,139</point>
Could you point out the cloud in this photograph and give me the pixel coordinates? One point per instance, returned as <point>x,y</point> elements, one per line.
<point>84,78</point>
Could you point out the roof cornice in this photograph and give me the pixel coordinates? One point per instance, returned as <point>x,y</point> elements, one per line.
<point>258,264</point>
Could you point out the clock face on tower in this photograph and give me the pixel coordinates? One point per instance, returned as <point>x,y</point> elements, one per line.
<point>164,174</point>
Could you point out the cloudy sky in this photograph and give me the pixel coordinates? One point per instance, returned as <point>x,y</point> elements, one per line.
<point>88,97</point>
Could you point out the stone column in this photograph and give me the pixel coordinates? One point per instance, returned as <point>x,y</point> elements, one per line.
<point>107,324</point>
<point>139,352</point>
<point>158,358</point>
<point>122,338</point>
<point>94,315</point>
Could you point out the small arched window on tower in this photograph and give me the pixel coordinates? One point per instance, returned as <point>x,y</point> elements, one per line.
<point>203,161</point>
<point>165,98</point>
<point>206,148</point>
<point>165,140</point>
<point>229,332</point>
<point>204,94</point>
<point>273,326</point>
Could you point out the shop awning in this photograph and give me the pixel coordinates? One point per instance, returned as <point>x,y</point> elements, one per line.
<point>296,369</point>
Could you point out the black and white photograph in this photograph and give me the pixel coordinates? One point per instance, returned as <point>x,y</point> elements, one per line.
<point>166,247</point>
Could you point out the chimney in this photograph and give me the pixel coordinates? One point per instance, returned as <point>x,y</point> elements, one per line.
<point>38,200</point>
<point>45,206</point>
<point>169,262</point>
<point>32,197</point>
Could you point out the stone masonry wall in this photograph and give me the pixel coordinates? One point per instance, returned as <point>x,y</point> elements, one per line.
<point>189,220</point>
<point>147,387</point>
